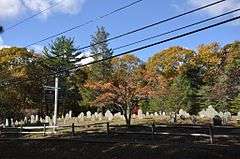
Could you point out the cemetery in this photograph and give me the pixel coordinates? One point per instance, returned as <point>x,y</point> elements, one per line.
<point>209,124</point>
<point>100,131</point>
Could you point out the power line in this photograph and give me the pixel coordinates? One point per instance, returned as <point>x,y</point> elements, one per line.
<point>88,22</point>
<point>139,48</point>
<point>154,24</point>
<point>166,33</point>
<point>131,32</point>
<point>154,44</point>
<point>32,16</point>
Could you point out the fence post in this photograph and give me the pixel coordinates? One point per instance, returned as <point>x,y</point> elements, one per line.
<point>21,128</point>
<point>108,129</point>
<point>73,129</point>
<point>153,129</point>
<point>211,134</point>
<point>44,129</point>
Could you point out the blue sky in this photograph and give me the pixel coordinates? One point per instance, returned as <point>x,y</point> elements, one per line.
<point>75,12</point>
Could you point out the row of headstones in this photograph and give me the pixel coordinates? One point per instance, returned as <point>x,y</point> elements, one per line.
<point>210,112</point>
<point>32,120</point>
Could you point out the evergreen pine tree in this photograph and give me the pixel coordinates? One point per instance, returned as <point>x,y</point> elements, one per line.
<point>101,50</point>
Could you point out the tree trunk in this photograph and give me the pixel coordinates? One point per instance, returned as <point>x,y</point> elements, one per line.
<point>175,117</point>
<point>128,115</point>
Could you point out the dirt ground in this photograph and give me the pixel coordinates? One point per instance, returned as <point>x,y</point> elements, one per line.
<point>74,148</point>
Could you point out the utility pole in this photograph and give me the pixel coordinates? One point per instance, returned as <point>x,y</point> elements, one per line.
<point>55,103</point>
<point>55,88</point>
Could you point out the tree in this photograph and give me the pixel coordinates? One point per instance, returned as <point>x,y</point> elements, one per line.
<point>170,62</point>
<point>126,88</point>
<point>18,64</point>
<point>100,50</point>
<point>179,95</point>
<point>58,56</point>
<point>235,105</point>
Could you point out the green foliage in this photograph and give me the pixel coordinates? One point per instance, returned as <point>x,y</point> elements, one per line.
<point>60,56</point>
<point>99,48</point>
<point>235,105</point>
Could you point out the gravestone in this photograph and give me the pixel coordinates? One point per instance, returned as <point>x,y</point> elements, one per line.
<point>16,123</point>
<point>70,114</point>
<point>67,116</point>
<point>7,123</point>
<point>117,115</point>
<point>47,118</point>
<point>210,112</point>
<point>109,115</point>
<point>183,114</point>
<point>32,119</point>
<point>12,123</point>
<point>36,118</point>
<point>25,120</point>
<point>140,114</point>
<point>100,116</point>
<point>41,120</point>
<point>89,114</point>
<point>147,114</point>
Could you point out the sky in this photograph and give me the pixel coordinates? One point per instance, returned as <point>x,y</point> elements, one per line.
<point>70,13</point>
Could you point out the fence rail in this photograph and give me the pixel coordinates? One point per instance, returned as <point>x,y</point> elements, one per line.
<point>154,130</point>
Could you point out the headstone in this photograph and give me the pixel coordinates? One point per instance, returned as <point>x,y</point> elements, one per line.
<point>70,114</point>
<point>140,114</point>
<point>25,120</point>
<point>117,115</point>
<point>164,113</point>
<point>6,123</point>
<point>109,115</point>
<point>47,118</point>
<point>36,118</point>
<point>12,123</point>
<point>210,112</point>
<point>134,116</point>
<point>100,116</point>
<point>16,123</point>
<point>221,114</point>
<point>183,114</point>
<point>32,119</point>
<point>147,114</point>
<point>41,120</point>
<point>160,112</point>
<point>21,122</point>
<point>89,114</point>
<point>156,114</point>
<point>67,116</point>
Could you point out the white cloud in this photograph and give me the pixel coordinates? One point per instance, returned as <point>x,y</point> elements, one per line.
<point>85,60</point>
<point>14,8</point>
<point>218,8</point>
<point>10,8</point>
<point>37,5</point>
<point>70,6</point>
